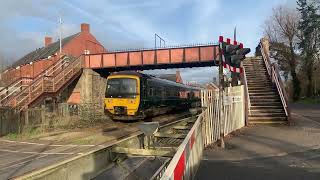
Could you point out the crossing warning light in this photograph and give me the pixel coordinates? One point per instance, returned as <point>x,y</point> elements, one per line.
<point>233,54</point>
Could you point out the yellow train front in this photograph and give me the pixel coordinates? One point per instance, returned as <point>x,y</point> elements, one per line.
<point>135,96</point>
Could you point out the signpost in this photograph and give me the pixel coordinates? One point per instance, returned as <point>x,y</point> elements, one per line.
<point>231,55</point>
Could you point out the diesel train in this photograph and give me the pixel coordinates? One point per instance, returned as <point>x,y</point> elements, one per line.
<point>136,96</point>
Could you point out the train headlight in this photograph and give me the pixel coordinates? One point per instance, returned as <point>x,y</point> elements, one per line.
<point>131,101</point>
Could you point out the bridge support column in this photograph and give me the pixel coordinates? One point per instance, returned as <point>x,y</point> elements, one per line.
<point>92,89</point>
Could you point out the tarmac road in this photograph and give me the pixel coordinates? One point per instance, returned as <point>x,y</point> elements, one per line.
<point>20,157</point>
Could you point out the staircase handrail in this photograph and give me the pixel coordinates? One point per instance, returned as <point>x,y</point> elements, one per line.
<point>51,70</point>
<point>39,83</point>
<point>266,59</point>
<point>4,90</point>
<point>246,93</point>
<point>278,83</point>
<point>276,78</point>
<point>8,91</point>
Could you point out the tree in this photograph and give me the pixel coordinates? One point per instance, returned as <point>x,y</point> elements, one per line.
<point>309,26</point>
<point>282,30</point>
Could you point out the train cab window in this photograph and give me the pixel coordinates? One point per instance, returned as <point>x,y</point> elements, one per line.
<point>121,88</point>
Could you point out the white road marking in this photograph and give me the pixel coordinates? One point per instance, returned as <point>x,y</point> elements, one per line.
<point>41,155</point>
<point>34,152</point>
<point>53,145</point>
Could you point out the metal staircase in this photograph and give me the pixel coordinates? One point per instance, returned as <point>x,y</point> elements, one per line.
<point>21,94</point>
<point>267,97</point>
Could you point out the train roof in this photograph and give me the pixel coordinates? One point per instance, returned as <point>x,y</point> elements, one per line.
<point>135,73</point>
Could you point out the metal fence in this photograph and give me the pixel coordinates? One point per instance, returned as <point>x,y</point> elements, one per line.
<point>206,130</point>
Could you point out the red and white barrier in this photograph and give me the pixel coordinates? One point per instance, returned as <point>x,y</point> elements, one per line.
<point>206,130</point>
<point>185,162</point>
<point>225,65</point>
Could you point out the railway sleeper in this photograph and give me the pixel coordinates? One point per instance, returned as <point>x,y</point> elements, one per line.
<point>164,152</point>
<point>169,135</point>
<point>181,127</point>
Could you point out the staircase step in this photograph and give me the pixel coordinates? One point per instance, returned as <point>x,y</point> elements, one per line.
<point>267,122</point>
<point>257,77</point>
<point>264,96</point>
<point>261,93</point>
<point>261,90</point>
<point>254,100</point>
<point>268,118</point>
<point>254,65</point>
<point>273,114</point>
<point>258,87</point>
<point>256,70</point>
<point>253,75</point>
<point>266,103</point>
<point>249,67</point>
<point>269,107</point>
<point>249,76</point>
<point>257,82</point>
<point>253,111</point>
<point>260,84</point>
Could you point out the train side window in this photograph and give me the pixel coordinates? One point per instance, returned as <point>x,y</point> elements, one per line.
<point>151,92</point>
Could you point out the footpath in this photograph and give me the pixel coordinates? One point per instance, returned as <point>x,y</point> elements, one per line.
<point>269,151</point>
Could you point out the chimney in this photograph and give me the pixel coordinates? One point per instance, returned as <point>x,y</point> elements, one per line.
<point>178,77</point>
<point>47,41</point>
<point>85,27</point>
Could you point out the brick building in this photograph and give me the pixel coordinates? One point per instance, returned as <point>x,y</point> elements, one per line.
<point>36,62</point>
<point>172,77</point>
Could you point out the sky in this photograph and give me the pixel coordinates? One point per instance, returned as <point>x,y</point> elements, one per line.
<point>122,24</point>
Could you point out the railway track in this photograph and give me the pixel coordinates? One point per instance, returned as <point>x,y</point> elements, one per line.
<point>30,167</point>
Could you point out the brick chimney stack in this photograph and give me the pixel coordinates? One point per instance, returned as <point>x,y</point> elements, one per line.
<point>178,77</point>
<point>85,27</point>
<point>47,41</point>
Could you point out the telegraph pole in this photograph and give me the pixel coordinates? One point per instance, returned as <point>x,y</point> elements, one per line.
<point>235,33</point>
<point>221,89</point>
<point>60,35</point>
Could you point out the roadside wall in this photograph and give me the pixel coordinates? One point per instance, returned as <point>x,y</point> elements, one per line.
<point>64,116</point>
<point>9,121</point>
